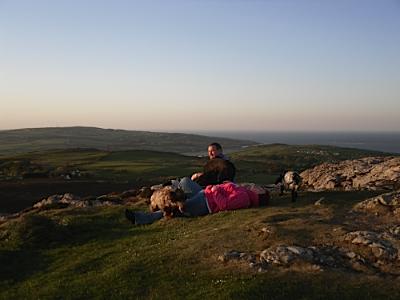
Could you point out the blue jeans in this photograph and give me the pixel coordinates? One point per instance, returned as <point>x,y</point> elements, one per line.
<point>189,187</point>
<point>196,205</point>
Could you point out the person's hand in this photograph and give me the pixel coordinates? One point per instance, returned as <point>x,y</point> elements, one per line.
<point>196,175</point>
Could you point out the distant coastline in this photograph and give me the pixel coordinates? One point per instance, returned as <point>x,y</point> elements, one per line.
<point>379,141</point>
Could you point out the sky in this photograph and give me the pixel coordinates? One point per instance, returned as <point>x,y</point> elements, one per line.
<point>250,65</point>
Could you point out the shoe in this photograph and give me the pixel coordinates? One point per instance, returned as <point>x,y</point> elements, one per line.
<point>130,215</point>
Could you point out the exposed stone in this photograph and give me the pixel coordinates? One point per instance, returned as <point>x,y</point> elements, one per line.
<point>54,199</point>
<point>371,173</point>
<point>283,255</point>
<point>395,230</point>
<point>109,197</point>
<point>71,200</point>
<point>129,193</point>
<point>319,202</point>
<point>233,254</point>
<point>382,256</point>
<point>385,203</point>
<point>351,254</point>
<point>379,247</point>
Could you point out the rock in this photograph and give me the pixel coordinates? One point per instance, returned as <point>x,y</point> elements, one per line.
<point>253,265</point>
<point>317,268</point>
<point>69,198</point>
<point>233,254</point>
<point>129,193</point>
<point>296,250</point>
<point>3,218</point>
<point>97,203</point>
<point>319,201</point>
<point>367,173</point>
<point>80,204</point>
<point>54,199</point>
<point>102,198</point>
<point>379,247</point>
<point>351,254</point>
<point>237,255</point>
<point>283,255</point>
<point>385,203</point>
<point>361,237</point>
<point>221,258</point>
<point>382,256</point>
<point>395,230</point>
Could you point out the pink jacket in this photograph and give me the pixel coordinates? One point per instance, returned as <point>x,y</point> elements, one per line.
<point>229,196</point>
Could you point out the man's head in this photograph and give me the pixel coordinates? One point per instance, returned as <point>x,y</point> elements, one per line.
<point>214,150</point>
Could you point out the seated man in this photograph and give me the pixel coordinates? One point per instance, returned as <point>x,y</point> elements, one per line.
<point>217,170</point>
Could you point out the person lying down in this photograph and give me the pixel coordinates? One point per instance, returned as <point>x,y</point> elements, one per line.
<point>200,202</point>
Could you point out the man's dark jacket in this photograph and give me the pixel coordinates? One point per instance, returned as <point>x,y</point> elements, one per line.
<point>217,171</point>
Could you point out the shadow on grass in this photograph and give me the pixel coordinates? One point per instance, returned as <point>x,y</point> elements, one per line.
<point>18,265</point>
<point>315,286</point>
<point>286,217</point>
<point>103,227</point>
<point>34,235</point>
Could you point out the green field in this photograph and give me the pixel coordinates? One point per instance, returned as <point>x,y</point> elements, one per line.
<point>43,139</point>
<point>96,253</point>
<point>260,164</point>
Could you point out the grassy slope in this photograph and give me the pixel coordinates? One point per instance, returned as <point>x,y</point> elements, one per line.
<point>96,253</point>
<point>257,164</point>
<point>121,165</point>
<point>39,139</point>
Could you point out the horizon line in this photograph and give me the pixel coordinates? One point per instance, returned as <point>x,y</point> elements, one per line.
<point>213,130</point>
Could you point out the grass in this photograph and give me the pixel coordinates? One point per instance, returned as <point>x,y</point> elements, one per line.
<point>103,165</point>
<point>44,139</point>
<point>259,164</point>
<point>258,161</point>
<point>99,254</point>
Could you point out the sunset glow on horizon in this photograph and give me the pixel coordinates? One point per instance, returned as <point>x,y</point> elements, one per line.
<point>201,65</point>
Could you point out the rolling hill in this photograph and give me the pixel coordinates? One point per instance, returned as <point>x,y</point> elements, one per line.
<point>39,139</point>
<point>95,253</point>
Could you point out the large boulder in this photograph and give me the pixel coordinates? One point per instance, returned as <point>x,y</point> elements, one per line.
<point>370,173</point>
<point>385,203</point>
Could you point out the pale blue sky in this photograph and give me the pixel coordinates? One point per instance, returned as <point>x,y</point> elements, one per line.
<point>201,65</point>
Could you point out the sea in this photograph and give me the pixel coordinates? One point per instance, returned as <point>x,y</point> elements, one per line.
<point>379,141</point>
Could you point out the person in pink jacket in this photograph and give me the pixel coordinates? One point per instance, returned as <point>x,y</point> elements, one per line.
<point>213,199</point>
<point>229,196</point>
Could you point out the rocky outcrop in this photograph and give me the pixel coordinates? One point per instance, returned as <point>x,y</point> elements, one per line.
<point>69,200</point>
<point>371,173</point>
<point>385,203</point>
<point>361,251</point>
<point>379,249</point>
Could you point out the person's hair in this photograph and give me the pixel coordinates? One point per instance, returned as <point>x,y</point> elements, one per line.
<point>216,145</point>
